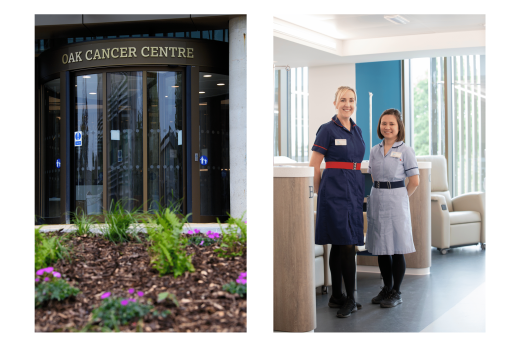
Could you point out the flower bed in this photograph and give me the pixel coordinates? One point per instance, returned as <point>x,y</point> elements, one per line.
<point>194,301</point>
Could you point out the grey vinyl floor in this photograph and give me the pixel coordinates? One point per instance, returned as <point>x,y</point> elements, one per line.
<point>428,300</point>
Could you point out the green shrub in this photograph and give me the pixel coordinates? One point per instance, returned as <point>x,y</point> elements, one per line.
<point>167,247</point>
<point>82,221</point>
<point>114,312</point>
<point>57,289</point>
<point>118,222</point>
<point>233,243</point>
<point>233,287</point>
<point>48,249</point>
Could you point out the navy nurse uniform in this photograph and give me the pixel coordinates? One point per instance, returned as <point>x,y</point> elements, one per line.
<point>388,210</point>
<point>339,219</point>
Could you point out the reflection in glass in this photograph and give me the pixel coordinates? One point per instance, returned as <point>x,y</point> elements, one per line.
<point>51,137</point>
<point>125,145</point>
<point>214,144</point>
<point>165,180</point>
<point>88,145</point>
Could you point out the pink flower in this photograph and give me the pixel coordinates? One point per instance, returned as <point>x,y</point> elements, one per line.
<point>190,232</point>
<point>132,300</point>
<point>46,279</point>
<point>105,295</point>
<point>241,281</point>
<point>37,279</point>
<point>56,274</point>
<point>202,242</point>
<point>131,291</point>
<point>124,302</point>
<point>48,269</point>
<point>140,294</point>
<point>245,222</point>
<point>39,272</point>
<point>243,275</point>
<point>217,235</point>
<point>196,231</point>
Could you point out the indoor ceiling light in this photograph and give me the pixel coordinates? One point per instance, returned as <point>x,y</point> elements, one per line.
<point>166,96</point>
<point>221,84</point>
<point>175,86</point>
<point>397,19</point>
<point>202,92</point>
<point>92,93</point>
<point>207,75</point>
<point>86,76</point>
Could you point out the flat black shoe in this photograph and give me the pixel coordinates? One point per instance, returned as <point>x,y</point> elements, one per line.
<point>347,309</point>
<point>382,295</point>
<point>392,300</point>
<point>338,303</point>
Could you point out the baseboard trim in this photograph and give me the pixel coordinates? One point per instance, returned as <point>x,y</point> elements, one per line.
<point>409,271</point>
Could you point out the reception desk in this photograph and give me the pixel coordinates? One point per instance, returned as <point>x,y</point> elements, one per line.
<point>293,272</point>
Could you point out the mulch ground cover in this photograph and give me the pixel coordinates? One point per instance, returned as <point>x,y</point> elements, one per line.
<point>98,265</point>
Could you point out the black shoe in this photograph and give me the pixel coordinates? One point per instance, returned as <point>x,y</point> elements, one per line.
<point>392,300</point>
<point>338,303</point>
<point>382,295</point>
<point>347,308</point>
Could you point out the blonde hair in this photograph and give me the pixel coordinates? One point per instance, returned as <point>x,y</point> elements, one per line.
<point>340,92</point>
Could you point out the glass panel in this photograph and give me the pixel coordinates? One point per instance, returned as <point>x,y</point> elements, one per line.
<point>125,145</point>
<point>420,71</point>
<point>51,140</point>
<point>214,144</point>
<point>88,144</point>
<point>165,180</point>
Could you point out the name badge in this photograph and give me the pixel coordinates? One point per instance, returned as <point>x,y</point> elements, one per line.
<point>341,142</point>
<point>396,154</point>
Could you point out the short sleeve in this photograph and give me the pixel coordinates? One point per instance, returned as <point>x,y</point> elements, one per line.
<point>322,141</point>
<point>410,163</point>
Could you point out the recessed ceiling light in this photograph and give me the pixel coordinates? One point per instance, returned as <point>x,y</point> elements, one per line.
<point>221,84</point>
<point>397,19</point>
<point>75,85</point>
<point>203,104</point>
<point>175,86</point>
<point>92,93</point>
<point>166,96</point>
<point>86,76</point>
<point>202,92</point>
<point>207,75</point>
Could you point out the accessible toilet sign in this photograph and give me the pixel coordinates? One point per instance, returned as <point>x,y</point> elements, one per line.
<point>78,139</point>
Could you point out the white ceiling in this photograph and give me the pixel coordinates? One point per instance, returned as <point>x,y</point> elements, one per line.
<point>320,40</point>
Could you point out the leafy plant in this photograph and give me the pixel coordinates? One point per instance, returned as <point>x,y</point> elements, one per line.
<point>233,242</point>
<point>118,222</point>
<point>114,312</point>
<point>195,237</point>
<point>167,247</point>
<point>238,286</point>
<point>167,297</point>
<point>49,285</point>
<point>82,221</point>
<point>48,249</point>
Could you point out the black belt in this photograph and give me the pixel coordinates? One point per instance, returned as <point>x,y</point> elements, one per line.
<point>388,184</point>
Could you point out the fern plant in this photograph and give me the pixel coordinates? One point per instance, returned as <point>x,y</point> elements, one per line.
<point>233,242</point>
<point>48,249</point>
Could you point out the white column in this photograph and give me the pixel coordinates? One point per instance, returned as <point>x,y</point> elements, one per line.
<point>238,115</point>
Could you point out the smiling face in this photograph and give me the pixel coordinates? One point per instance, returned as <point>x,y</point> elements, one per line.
<point>346,104</point>
<point>389,127</point>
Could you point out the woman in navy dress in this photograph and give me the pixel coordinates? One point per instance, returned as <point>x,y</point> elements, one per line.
<point>339,219</point>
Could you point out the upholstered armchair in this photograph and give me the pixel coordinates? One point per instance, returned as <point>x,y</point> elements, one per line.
<point>458,221</point>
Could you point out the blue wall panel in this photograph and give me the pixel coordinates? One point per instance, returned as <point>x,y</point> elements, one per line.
<point>383,80</point>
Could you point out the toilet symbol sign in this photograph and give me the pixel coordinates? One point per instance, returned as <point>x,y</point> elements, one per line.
<point>78,138</point>
<point>203,160</point>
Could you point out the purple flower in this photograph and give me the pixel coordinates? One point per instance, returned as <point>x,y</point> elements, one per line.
<point>132,300</point>
<point>56,274</point>
<point>39,272</point>
<point>245,222</point>
<point>37,279</point>
<point>217,235</point>
<point>131,291</point>
<point>241,281</point>
<point>105,295</point>
<point>46,279</point>
<point>243,275</point>
<point>202,242</point>
<point>48,269</point>
<point>209,233</point>
<point>124,302</point>
<point>190,232</point>
<point>140,294</point>
<point>196,231</point>
<point>211,236</point>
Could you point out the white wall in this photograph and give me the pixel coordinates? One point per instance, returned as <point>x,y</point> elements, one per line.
<point>323,83</point>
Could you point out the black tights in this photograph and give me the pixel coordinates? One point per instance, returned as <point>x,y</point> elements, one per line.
<point>342,261</point>
<point>392,266</point>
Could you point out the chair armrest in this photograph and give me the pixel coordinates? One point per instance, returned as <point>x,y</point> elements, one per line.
<point>473,201</point>
<point>440,222</point>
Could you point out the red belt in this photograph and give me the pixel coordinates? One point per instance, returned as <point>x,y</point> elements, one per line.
<point>344,165</point>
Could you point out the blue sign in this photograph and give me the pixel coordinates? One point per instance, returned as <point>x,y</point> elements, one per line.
<point>203,160</point>
<point>78,138</point>
<point>58,163</point>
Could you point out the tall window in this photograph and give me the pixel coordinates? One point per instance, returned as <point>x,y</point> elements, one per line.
<point>449,90</point>
<point>291,113</point>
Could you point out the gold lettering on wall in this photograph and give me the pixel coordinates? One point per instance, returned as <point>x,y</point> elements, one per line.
<point>123,52</point>
<point>190,53</point>
<point>96,55</point>
<point>181,51</point>
<point>173,51</point>
<point>86,54</point>
<point>142,52</point>
<point>128,52</point>
<point>78,56</point>
<point>65,59</point>
<point>106,53</point>
<point>165,50</point>
<point>71,58</point>
<point>113,56</point>
<point>131,51</point>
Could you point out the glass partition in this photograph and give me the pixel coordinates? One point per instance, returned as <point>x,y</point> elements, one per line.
<point>88,144</point>
<point>214,144</point>
<point>164,102</point>
<point>125,142</point>
<point>51,153</point>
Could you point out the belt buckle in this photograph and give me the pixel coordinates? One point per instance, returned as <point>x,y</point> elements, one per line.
<point>389,185</point>
<point>354,166</point>
<point>377,184</point>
